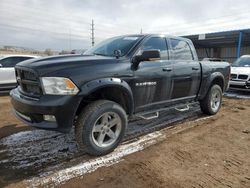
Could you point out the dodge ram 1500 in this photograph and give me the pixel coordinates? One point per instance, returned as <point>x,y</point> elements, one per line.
<point>126,76</point>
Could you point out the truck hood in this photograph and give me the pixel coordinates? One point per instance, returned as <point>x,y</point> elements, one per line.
<point>54,63</point>
<point>240,70</point>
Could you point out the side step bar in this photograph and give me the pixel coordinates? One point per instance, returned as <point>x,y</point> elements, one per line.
<point>148,117</point>
<point>155,114</point>
<point>183,109</point>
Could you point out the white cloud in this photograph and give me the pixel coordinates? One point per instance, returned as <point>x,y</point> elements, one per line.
<point>57,24</point>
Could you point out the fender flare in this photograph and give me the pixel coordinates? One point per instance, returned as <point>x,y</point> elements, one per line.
<point>97,84</point>
<point>208,83</point>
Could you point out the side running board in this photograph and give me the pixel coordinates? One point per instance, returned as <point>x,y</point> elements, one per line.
<point>155,113</point>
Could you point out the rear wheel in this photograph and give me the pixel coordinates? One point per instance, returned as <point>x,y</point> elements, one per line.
<point>100,127</point>
<point>211,104</point>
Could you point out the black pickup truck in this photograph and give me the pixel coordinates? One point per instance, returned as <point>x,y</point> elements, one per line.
<point>123,77</point>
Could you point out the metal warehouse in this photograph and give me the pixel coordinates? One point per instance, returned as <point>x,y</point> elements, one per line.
<point>227,45</point>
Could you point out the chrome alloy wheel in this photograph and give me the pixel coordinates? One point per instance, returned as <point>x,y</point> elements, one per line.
<point>106,129</point>
<point>215,100</point>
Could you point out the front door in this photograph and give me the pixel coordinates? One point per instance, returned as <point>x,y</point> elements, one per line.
<point>152,82</point>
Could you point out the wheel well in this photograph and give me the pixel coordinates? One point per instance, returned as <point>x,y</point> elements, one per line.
<point>112,93</point>
<point>219,81</point>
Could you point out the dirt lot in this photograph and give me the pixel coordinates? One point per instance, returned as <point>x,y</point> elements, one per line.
<point>8,123</point>
<point>214,152</point>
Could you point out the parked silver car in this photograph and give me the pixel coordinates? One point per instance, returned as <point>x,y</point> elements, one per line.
<point>240,74</point>
<point>7,71</point>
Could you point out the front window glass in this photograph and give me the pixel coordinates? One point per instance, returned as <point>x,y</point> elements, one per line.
<point>155,43</point>
<point>242,62</point>
<point>109,46</point>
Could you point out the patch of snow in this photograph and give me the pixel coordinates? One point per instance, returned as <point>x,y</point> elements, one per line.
<point>93,164</point>
<point>36,147</point>
<point>202,119</point>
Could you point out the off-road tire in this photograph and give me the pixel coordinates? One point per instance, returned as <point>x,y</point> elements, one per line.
<point>86,120</point>
<point>206,104</point>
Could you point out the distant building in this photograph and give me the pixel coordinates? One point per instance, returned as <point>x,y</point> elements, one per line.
<point>78,51</point>
<point>227,45</point>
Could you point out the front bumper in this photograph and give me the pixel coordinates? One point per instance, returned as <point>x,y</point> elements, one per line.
<point>31,110</point>
<point>239,85</point>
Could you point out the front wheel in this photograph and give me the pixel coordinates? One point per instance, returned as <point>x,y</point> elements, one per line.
<point>100,127</point>
<point>211,104</point>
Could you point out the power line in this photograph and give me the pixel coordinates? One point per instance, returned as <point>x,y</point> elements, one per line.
<point>184,26</point>
<point>41,27</point>
<point>210,28</point>
<point>39,21</point>
<point>195,21</point>
<point>37,12</point>
<point>56,19</point>
<point>207,25</point>
<point>112,26</point>
<point>43,14</point>
<point>41,31</point>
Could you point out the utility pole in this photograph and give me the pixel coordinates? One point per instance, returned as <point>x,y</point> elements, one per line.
<point>70,38</point>
<point>92,33</point>
<point>141,30</point>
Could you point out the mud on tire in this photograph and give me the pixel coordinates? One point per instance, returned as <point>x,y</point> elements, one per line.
<point>100,127</point>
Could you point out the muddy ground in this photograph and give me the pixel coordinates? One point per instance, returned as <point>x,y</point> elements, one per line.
<point>213,152</point>
<point>8,123</point>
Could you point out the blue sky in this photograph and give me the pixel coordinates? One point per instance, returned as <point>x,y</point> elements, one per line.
<point>65,24</point>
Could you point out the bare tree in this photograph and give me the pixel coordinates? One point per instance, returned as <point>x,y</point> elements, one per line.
<point>48,52</point>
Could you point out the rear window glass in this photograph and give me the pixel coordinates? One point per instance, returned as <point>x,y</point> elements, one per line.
<point>181,50</point>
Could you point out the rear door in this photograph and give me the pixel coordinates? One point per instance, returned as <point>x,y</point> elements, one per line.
<point>151,84</point>
<point>186,70</point>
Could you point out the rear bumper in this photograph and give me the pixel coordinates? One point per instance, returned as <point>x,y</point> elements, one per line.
<point>31,110</point>
<point>239,85</point>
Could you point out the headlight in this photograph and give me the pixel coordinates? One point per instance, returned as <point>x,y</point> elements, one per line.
<point>58,86</point>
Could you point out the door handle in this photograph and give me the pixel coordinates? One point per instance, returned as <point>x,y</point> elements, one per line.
<point>168,69</point>
<point>195,68</point>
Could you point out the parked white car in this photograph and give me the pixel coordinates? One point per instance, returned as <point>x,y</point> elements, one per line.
<point>240,74</point>
<point>7,71</point>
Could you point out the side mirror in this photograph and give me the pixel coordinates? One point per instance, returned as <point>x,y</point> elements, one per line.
<point>147,55</point>
<point>117,53</point>
<point>1,65</point>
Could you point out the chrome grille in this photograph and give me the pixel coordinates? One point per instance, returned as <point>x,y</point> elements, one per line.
<point>243,77</point>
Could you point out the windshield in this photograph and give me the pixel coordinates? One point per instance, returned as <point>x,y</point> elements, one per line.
<point>109,46</point>
<point>242,62</point>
